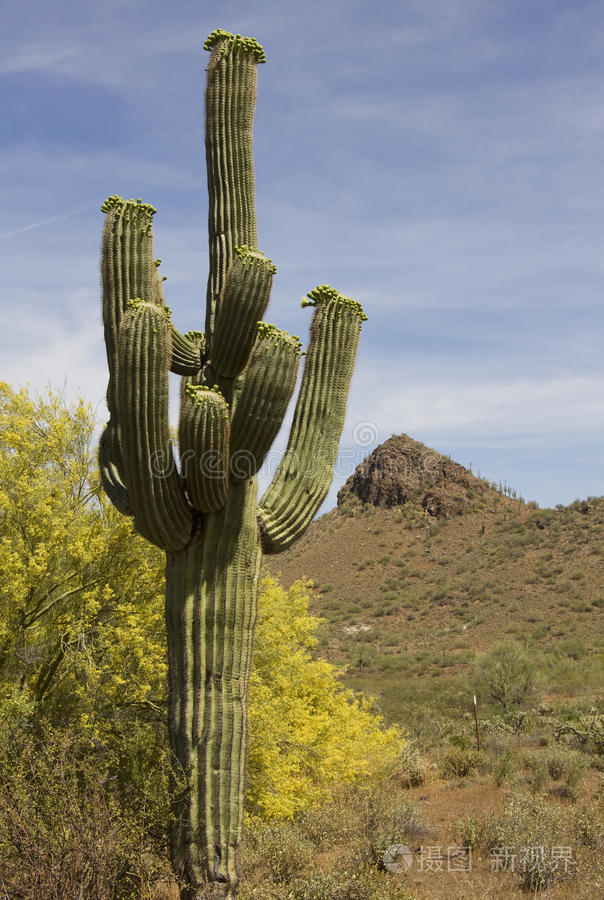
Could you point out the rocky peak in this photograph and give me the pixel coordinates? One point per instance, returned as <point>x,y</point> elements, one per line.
<point>402,471</point>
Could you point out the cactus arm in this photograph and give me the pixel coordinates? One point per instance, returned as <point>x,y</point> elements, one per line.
<point>111,478</point>
<point>230,100</point>
<point>243,302</point>
<point>127,271</point>
<point>161,513</point>
<point>186,350</point>
<point>270,380</point>
<point>186,356</point>
<point>204,446</point>
<point>304,475</point>
<point>186,353</point>
<point>158,285</point>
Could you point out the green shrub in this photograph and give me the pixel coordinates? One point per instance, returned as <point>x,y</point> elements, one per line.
<point>530,828</point>
<point>412,767</point>
<point>512,722</point>
<point>342,884</point>
<point>457,762</point>
<point>574,776</point>
<point>504,766</point>
<point>587,731</point>
<point>538,771</point>
<point>65,831</point>
<point>509,672</point>
<point>383,822</point>
<point>330,886</point>
<point>556,763</point>
<point>588,828</point>
<point>569,765</point>
<point>277,850</point>
<point>477,831</point>
<point>331,852</point>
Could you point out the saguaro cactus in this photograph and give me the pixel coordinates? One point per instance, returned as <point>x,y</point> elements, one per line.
<point>238,379</point>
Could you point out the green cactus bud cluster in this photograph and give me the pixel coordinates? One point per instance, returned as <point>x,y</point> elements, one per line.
<point>118,204</point>
<point>238,377</point>
<point>227,41</point>
<point>251,256</point>
<point>137,305</point>
<point>197,337</point>
<point>270,332</point>
<point>198,392</point>
<point>326,294</point>
<point>114,202</point>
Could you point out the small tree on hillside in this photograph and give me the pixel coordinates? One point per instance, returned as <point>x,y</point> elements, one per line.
<point>508,673</point>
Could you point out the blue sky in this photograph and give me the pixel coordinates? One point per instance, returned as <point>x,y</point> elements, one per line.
<point>438,160</point>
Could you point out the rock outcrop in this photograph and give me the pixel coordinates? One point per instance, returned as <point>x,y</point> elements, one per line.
<point>402,471</point>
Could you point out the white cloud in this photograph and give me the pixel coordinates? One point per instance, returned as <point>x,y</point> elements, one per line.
<point>45,57</point>
<point>47,348</point>
<point>473,409</point>
<point>52,221</point>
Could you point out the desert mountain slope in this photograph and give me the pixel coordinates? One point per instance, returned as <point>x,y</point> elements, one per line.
<point>423,565</point>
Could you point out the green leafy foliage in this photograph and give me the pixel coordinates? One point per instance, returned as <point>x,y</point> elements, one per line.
<point>509,672</point>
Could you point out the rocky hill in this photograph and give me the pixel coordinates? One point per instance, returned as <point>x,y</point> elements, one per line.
<point>423,565</point>
<point>403,471</point>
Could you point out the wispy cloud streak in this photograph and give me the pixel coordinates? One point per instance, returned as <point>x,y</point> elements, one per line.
<point>52,221</point>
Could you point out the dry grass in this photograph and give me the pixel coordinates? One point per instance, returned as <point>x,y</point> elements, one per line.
<point>417,597</point>
<point>409,603</point>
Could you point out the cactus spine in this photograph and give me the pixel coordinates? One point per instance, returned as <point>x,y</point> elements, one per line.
<point>237,381</point>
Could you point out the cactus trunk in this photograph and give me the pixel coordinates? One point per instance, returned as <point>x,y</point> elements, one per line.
<point>237,381</point>
<point>211,596</point>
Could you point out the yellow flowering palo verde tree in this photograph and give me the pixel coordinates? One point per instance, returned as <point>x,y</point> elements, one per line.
<point>238,378</point>
<point>308,734</point>
<point>74,580</point>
